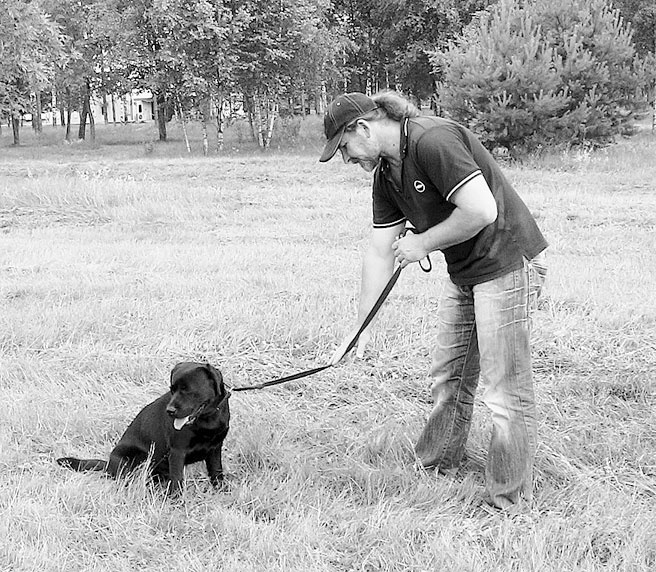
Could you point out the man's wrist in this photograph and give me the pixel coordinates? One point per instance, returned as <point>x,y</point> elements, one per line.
<point>426,244</point>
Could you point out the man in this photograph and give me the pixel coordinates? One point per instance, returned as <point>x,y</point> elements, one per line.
<point>436,176</point>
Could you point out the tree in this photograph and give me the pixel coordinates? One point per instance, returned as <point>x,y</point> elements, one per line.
<point>530,73</point>
<point>642,15</point>
<point>312,65</point>
<point>29,45</point>
<point>389,41</point>
<point>420,28</point>
<point>138,55</point>
<point>276,40</point>
<point>197,48</point>
<point>90,30</point>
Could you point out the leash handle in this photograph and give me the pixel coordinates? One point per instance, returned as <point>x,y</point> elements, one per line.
<point>429,264</point>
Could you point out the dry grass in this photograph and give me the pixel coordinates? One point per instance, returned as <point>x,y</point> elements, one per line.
<point>114,265</point>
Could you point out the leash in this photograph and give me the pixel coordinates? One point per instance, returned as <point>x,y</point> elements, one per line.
<point>370,316</point>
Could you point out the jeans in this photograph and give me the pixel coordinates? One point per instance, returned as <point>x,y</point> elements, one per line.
<point>484,331</point>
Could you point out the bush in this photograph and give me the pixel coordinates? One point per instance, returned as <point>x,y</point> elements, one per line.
<point>531,73</point>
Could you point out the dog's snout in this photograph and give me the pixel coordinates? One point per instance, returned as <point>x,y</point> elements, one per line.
<point>171,410</point>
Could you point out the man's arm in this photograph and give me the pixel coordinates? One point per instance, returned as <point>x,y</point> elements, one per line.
<point>377,266</point>
<point>377,269</point>
<point>475,209</point>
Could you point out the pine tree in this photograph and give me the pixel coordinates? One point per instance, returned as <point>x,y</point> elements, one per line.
<point>530,73</point>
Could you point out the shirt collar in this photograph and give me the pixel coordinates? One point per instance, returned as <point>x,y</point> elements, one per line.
<point>404,137</point>
<point>383,166</point>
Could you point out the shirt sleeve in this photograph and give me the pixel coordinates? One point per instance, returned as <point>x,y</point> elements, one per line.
<point>443,154</point>
<point>386,212</point>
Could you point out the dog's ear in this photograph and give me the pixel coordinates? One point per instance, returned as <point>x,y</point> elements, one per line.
<point>175,370</point>
<point>215,374</point>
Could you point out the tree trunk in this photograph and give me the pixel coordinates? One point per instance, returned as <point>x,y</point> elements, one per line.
<point>249,107</point>
<point>219,125</point>
<point>15,124</point>
<point>53,105</point>
<point>206,143</point>
<point>205,108</point>
<point>62,111</point>
<point>257,105</point>
<point>113,109</point>
<point>184,126</point>
<point>303,102</point>
<point>81,132</point>
<point>104,108</point>
<point>92,121</point>
<point>161,116</point>
<point>37,123</point>
<point>323,99</point>
<point>69,112</point>
<point>272,111</point>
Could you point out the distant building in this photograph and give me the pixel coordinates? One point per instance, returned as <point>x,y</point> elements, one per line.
<point>133,107</point>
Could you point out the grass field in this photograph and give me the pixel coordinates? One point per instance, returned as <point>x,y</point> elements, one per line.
<point>117,262</point>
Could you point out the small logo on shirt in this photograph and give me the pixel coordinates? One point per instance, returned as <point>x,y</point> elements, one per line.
<point>419,186</point>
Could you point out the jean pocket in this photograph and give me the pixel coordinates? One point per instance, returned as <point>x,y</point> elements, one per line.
<point>537,274</point>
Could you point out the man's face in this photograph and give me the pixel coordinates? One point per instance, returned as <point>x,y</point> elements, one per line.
<point>359,147</point>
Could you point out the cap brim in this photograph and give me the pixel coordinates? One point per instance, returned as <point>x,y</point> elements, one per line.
<point>331,147</point>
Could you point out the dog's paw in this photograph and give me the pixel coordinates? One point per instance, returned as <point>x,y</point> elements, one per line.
<point>217,480</point>
<point>174,490</point>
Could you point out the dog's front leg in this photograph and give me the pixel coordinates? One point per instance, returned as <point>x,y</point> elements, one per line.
<point>176,472</point>
<point>215,466</point>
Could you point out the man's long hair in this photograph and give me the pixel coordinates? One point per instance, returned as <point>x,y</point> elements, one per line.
<point>394,105</point>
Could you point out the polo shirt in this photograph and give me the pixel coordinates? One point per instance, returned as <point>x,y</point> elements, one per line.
<point>438,157</point>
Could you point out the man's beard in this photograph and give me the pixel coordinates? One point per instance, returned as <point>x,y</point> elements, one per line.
<point>368,165</point>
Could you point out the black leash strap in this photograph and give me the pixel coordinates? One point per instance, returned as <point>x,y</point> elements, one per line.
<point>281,379</point>
<point>374,310</point>
<point>370,316</point>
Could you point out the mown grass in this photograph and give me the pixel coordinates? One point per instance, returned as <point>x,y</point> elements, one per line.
<point>115,263</point>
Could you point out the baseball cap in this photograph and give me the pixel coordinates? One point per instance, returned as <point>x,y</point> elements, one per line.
<point>345,109</point>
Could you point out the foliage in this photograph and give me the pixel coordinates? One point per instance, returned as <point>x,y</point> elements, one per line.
<point>285,48</point>
<point>550,77</point>
<point>389,40</point>
<point>196,51</point>
<point>642,15</point>
<point>530,73</point>
<point>30,44</point>
<point>424,26</point>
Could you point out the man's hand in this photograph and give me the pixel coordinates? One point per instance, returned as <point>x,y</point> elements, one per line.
<point>364,339</point>
<point>409,248</point>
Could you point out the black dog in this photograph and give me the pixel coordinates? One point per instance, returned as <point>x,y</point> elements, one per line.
<point>184,426</point>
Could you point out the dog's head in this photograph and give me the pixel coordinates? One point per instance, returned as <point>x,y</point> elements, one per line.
<point>195,387</point>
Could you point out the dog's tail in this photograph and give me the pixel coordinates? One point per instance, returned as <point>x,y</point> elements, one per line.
<point>82,464</point>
